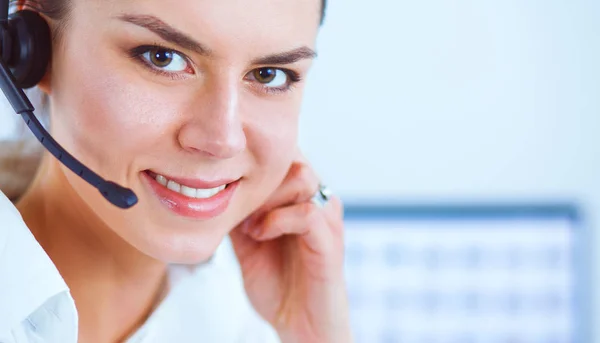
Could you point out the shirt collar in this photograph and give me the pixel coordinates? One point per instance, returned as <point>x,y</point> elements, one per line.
<point>28,278</point>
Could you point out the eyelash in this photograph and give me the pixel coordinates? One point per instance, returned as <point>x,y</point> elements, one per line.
<point>138,52</point>
<point>293,76</point>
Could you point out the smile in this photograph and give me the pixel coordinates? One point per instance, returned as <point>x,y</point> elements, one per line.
<point>198,193</point>
<point>192,198</point>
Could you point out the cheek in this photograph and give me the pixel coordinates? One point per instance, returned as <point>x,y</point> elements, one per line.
<point>106,118</point>
<point>272,144</point>
<point>272,133</point>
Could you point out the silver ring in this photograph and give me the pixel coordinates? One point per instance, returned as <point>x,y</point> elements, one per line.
<point>322,196</point>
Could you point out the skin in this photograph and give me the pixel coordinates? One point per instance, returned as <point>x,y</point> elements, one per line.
<point>212,120</point>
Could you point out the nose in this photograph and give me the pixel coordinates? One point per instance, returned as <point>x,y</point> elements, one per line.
<point>214,127</point>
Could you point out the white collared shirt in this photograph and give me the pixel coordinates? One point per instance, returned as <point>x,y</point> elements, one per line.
<point>208,304</point>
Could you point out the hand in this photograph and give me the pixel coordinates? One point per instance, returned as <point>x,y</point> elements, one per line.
<point>291,253</point>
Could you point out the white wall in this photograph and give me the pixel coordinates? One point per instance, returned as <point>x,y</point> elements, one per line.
<point>459,100</point>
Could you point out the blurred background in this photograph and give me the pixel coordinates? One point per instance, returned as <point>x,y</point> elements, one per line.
<point>464,138</point>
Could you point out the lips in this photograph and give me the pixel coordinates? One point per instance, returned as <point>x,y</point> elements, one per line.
<point>192,198</point>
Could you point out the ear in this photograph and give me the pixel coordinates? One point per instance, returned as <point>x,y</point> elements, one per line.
<point>45,83</point>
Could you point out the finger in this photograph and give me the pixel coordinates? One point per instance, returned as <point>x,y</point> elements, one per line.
<point>299,185</point>
<point>243,245</point>
<point>334,211</point>
<point>297,219</point>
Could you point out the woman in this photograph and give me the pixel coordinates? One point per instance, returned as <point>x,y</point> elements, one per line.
<point>194,106</point>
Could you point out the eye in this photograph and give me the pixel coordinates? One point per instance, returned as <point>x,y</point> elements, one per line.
<point>271,77</point>
<point>166,60</point>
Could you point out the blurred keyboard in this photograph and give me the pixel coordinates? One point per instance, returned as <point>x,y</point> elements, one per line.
<point>462,275</point>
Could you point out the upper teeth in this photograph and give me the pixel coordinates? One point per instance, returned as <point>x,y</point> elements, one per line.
<point>199,193</point>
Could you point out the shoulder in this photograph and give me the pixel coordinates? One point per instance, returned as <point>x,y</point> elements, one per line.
<point>28,278</point>
<point>11,220</point>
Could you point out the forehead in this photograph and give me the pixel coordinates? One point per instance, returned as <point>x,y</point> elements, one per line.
<point>222,25</point>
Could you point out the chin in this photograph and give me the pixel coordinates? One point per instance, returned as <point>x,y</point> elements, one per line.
<point>191,247</point>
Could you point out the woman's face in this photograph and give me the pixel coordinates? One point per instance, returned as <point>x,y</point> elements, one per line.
<point>198,95</point>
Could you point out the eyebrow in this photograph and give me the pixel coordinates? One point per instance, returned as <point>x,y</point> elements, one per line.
<point>166,32</point>
<point>170,34</point>
<point>287,57</point>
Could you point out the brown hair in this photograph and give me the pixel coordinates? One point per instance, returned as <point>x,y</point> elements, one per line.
<point>57,10</point>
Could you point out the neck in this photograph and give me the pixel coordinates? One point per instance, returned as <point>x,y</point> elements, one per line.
<point>114,285</point>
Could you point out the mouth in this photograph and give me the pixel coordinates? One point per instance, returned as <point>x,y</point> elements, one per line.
<point>193,198</point>
<point>186,187</point>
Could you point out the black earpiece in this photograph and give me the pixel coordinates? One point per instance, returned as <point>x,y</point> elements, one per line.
<point>26,45</point>
<point>30,49</point>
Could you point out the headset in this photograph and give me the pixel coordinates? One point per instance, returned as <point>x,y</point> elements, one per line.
<point>26,47</point>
